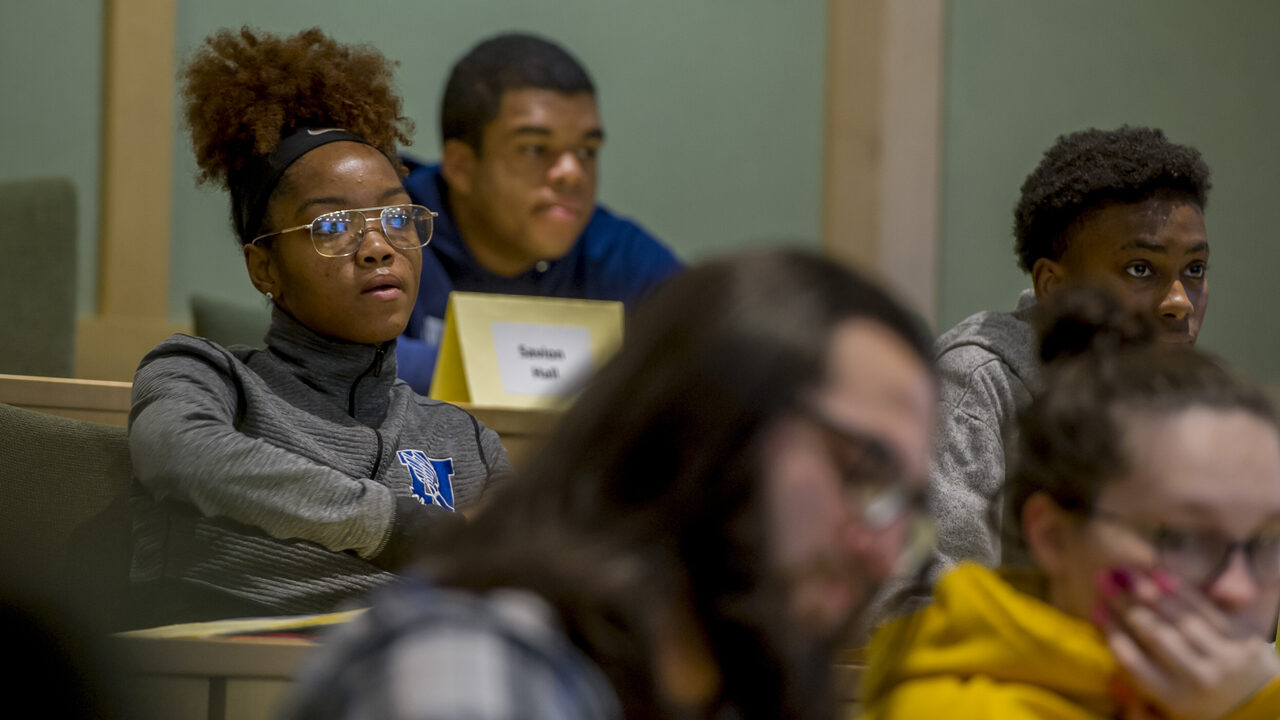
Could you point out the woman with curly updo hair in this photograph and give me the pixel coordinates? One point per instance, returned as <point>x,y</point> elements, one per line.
<point>289,480</point>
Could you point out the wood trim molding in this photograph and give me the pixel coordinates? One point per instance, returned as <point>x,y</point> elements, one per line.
<point>854,129</point>
<point>883,161</point>
<point>136,189</point>
<point>101,401</point>
<point>137,162</point>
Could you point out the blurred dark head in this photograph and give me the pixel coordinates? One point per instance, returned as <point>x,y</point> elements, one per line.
<point>52,649</point>
<point>1101,359</point>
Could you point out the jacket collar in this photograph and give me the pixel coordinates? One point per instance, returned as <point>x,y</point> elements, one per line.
<point>356,377</point>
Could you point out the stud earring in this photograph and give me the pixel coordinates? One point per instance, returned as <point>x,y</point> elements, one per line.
<point>269,296</point>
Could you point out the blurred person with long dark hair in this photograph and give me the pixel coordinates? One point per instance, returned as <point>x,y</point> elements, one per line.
<point>710,518</point>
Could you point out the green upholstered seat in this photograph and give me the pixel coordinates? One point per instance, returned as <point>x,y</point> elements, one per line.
<point>64,522</point>
<point>227,322</point>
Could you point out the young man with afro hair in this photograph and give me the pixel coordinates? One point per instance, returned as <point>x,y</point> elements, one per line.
<point>515,190</point>
<point>1119,209</point>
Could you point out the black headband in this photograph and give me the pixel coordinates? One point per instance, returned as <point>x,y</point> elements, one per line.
<point>251,188</point>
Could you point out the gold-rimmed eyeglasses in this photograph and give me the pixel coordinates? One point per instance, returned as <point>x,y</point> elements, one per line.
<point>339,233</point>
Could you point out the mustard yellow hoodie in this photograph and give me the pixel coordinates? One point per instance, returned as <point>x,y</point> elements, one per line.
<point>985,650</point>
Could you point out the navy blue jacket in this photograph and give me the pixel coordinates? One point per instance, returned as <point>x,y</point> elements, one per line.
<point>614,259</point>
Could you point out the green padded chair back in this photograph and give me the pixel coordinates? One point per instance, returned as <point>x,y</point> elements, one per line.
<point>38,325</point>
<point>230,323</point>
<point>64,522</point>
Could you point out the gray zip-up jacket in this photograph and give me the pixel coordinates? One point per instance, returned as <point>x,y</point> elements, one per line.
<point>273,475</point>
<point>989,369</point>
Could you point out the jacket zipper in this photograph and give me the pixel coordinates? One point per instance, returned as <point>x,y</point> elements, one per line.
<point>377,460</point>
<point>376,369</point>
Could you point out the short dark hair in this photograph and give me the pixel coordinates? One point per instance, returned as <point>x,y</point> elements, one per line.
<point>1091,168</point>
<point>651,486</point>
<point>512,61</point>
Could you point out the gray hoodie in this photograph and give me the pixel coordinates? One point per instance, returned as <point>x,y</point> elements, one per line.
<point>274,475</point>
<point>988,369</point>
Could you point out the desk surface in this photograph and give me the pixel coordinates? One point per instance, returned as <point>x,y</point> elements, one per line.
<point>209,678</point>
<point>221,678</point>
<point>250,657</point>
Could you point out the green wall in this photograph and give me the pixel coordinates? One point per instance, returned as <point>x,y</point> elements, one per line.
<point>51,115</point>
<point>713,110</point>
<point>1021,73</point>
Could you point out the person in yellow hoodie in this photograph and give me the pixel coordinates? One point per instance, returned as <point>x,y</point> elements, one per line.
<point>1147,485</point>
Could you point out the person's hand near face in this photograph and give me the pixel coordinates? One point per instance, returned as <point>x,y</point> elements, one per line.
<point>1179,560</point>
<point>1179,651</point>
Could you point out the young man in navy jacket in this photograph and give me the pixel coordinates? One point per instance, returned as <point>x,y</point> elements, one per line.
<point>515,190</point>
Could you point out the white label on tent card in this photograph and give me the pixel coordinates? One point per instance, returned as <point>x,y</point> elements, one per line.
<point>541,359</point>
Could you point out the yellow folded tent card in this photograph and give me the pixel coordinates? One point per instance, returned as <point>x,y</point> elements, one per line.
<point>518,351</point>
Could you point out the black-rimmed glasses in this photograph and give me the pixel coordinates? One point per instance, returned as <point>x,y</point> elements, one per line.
<point>878,489</point>
<point>1199,556</point>
<point>339,233</point>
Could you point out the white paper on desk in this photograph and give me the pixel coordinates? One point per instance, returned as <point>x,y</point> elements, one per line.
<point>535,359</point>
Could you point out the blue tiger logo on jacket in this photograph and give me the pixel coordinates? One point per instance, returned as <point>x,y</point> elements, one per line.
<point>432,478</point>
